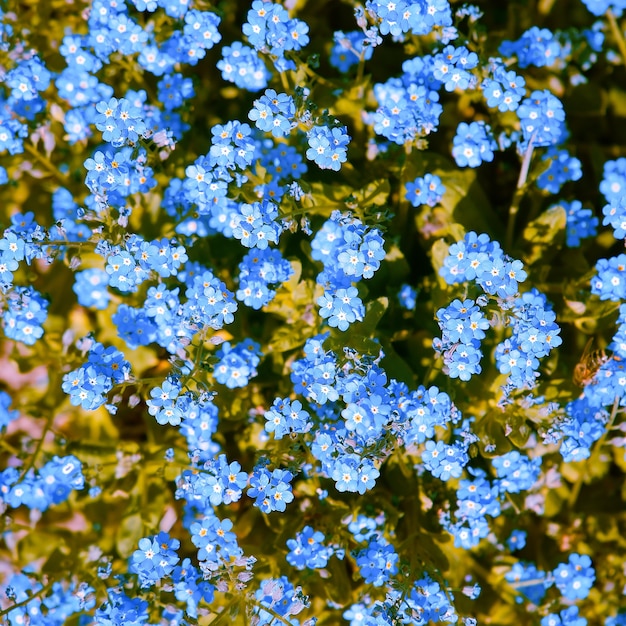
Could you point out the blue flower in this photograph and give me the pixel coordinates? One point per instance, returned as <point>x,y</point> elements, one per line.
<point>341,307</point>
<point>273,113</point>
<point>271,490</point>
<point>241,65</point>
<point>473,144</point>
<point>236,364</point>
<point>425,190</point>
<point>516,472</point>
<point>562,168</point>
<point>581,223</point>
<point>610,280</point>
<point>328,147</point>
<point>155,558</point>
<point>537,46</point>
<point>307,551</point>
<point>615,216</point>
<point>377,562</point>
<point>91,288</point>
<point>517,540</point>
<point>25,315</point>
<point>541,119</point>
<point>407,296</point>
<point>575,578</point>
<point>286,416</point>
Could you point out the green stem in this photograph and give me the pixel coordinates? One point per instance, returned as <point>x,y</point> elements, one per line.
<point>35,454</point>
<point>528,583</point>
<point>224,616</point>
<point>519,193</point>
<point>360,69</point>
<point>617,34</point>
<point>315,76</point>
<point>67,244</point>
<point>139,381</point>
<point>47,163</point>
<point>8,447</point>
<point>573,497</point>
<point>512,503</point>
<point>285,82</point>
<point>273,613</point>
<point>17,605</point>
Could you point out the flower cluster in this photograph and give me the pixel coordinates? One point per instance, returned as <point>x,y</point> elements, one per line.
<point>131,265</point>
<point>219,482</point>
<point>463,326</point>
<point>411,16</point>
<point>270,30</point>
<point>504,89</point>
<point>377,562</point>
<point>542,119</point>
<point>63,602</point>
<point>271,491</point>
<point>610,281</point>
<point>328,147</point>
<point>260,271</point>
<point>166,197</point>
<point>25,315</point>
<point>215,541</point>
<point>282,598</point>
<point>516,472</point>
<point>273,113</point>
<point>307,550</point>
<point>89,385</point>
<point>426,189</point>
<point>473,144</point>
<point>241,65</point>
<point>255,224</point>
<point>537,46</point>
<point>236,364</point>
<point>51,485</point>
<point>408,107</point>
<point>562,168</point>
<point>575,578</point>
<point>534,334</point>
<point>286,417</point>
<point>120,121</point>
<point>155,558</point>
<point>581,223</point>
<point>476,498</point>
<point>451,67</point>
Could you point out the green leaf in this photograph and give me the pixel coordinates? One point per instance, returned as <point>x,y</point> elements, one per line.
<point>38,544</point>
<point>339,586</point>
<point>493,441</point>
<point>464,201</point>
<point>376,193</point>
<point>60,561</point>
<point>395,366</point>
<point>543,237</point>
<point>374,311</point>
<point>129,533</point>
<point>326,198</point>
<point>291,337</point>
<point>517,430</point>
<point>359,336</point>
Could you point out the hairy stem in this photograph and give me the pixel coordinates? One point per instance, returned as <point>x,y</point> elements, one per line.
<point>47,163</point>
<point>22,603</point>
<point>519,192</point>
<point>617,34</point>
